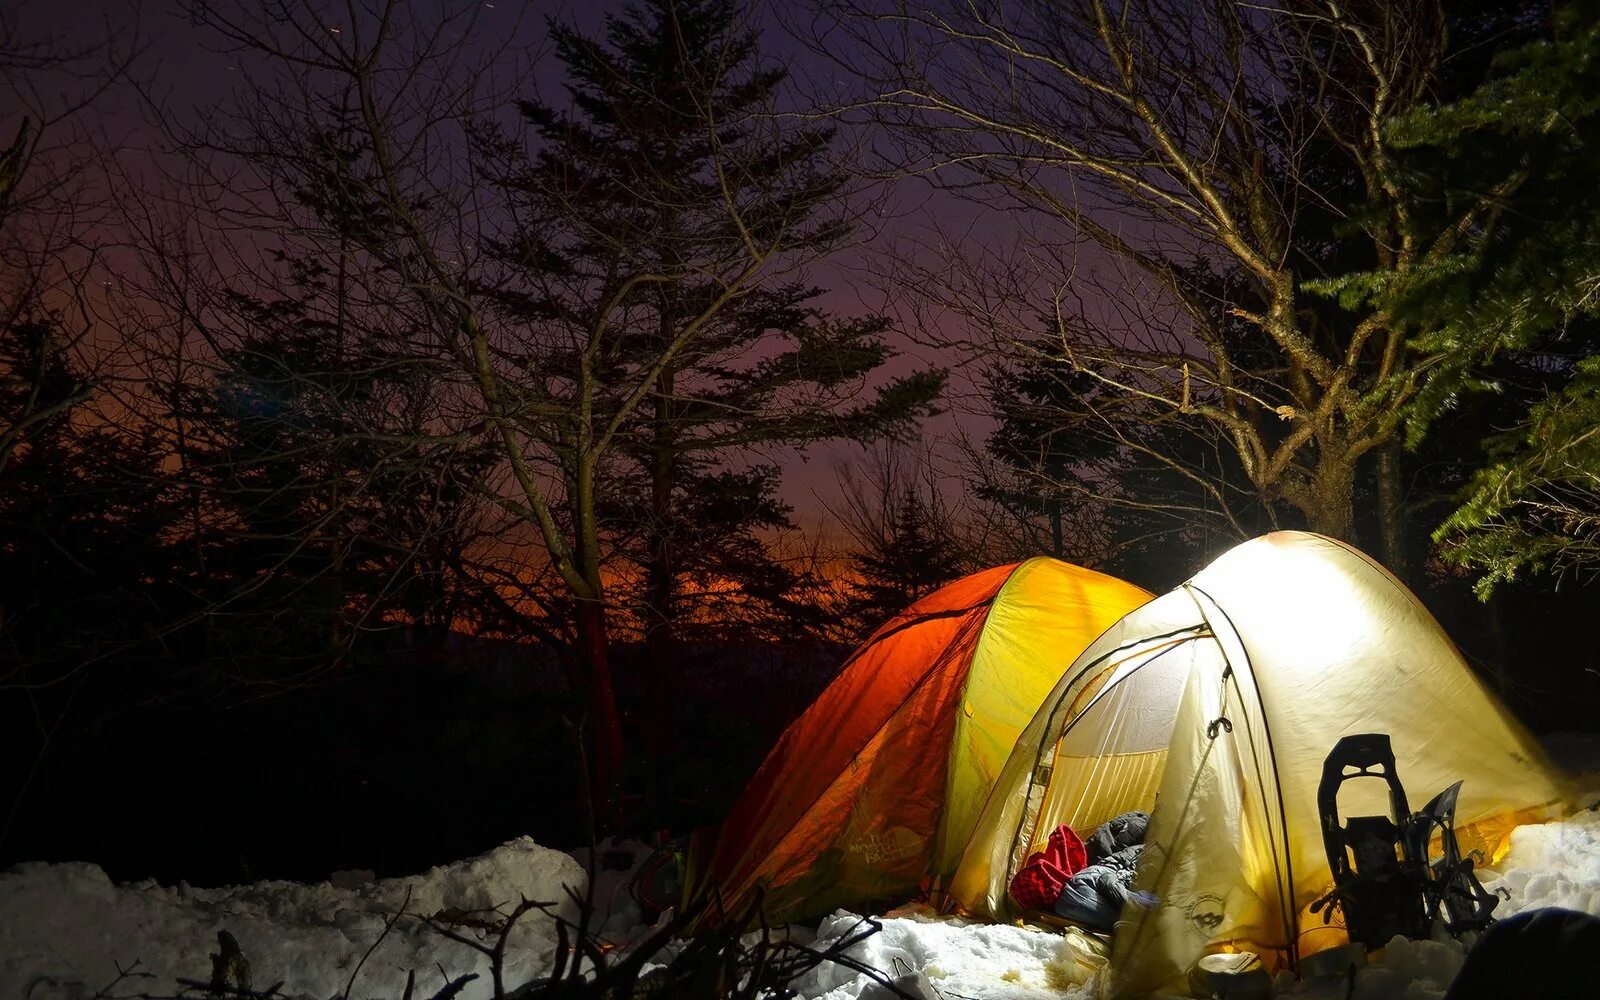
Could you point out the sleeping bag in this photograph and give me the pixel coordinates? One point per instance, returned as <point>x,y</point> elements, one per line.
<point>1093,893</point>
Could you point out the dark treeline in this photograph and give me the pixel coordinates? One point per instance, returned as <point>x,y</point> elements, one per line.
<point>403,456</point>
<point>530,384</point>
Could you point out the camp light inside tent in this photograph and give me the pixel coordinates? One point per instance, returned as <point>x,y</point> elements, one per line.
<point>1214,707</point>
<point>872,793</point>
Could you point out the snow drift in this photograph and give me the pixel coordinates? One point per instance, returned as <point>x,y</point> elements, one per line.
<point>64,928</point>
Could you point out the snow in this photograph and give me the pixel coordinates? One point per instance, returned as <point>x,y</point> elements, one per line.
<point>1553,864</point>
<point>1549,864</point>
<point>993,961</point>
<point>1404,970</point>
<point>613,863</point>
<point>65,927</point>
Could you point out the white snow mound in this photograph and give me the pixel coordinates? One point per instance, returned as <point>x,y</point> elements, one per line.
<point>1404,970</point>
<point>1552,864</point>
<point>991,961</point>
<point>64,928</point>
<point>1549,864</point>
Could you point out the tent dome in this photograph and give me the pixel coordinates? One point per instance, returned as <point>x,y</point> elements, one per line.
<point>872,794</point>
<point>1214,707</point>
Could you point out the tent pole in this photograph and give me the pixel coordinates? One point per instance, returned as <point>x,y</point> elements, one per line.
<point>1285,867</point>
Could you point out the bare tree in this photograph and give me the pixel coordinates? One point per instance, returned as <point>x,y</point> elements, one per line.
<point>53,205</point>
<point>1180,172</point>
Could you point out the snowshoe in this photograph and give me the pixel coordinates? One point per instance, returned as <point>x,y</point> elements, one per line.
<point>1452,888</point>
<point>1376,881</point>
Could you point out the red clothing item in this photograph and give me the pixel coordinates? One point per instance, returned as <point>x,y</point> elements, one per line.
<point>1037,884</point>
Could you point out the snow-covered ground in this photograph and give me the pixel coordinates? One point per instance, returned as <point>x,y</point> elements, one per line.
<point>65,929</point>
<point>950,958</point>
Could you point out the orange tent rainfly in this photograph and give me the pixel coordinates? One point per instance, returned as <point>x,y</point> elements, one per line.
<point>874,792</point>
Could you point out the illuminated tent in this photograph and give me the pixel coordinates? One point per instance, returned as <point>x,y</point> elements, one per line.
<point>872,793</point>
<point>1214,707</point>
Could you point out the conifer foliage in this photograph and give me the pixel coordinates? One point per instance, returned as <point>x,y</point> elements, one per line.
<point>668,174</point>
<point>600,291</point>
<point>658,318</point>
<point>1511,309</point>
<point>909,536</point>
<point>912,558</point>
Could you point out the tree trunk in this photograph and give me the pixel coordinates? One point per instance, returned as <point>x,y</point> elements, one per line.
<point>604,728</point>
<point>1328,500</point>
<point>1391,512</point>
<point>661,573</point>
<point>661,588</point>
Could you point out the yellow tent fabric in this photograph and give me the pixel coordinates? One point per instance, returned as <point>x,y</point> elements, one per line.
<point>872,794</point>
<point>1214,707</point>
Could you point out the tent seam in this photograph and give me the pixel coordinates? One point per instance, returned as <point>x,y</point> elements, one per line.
<point>1166,859</point>
<point>1284,871</point>
<point>950,753</point>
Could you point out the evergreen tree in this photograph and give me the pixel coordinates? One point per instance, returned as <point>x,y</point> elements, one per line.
<point>332,512</point>
<point>89,609</point>
<point>38,386</point>
<point>1039,462</point>
<point>1510,309</point>
<point>86,517</point>
<point>555,267</point>
<point>771,375</point>
<point>1142,494</point>
<point>671,349</point>
<point>908,545</point>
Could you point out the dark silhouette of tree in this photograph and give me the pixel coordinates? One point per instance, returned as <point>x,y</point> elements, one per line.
<point>908,538</point>
<point>676,90</point>
<point>86,587</point>
<point>912,560</point>
<point>332,515</point>
<point>552,270</point>
<point>84,516</point>
<point>669,168</point>
<point>1095,485</point>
